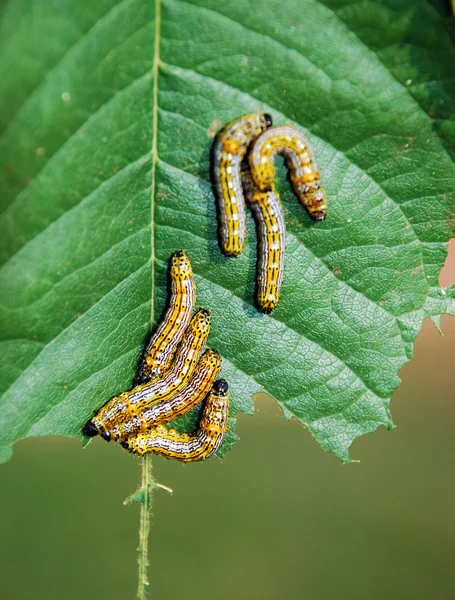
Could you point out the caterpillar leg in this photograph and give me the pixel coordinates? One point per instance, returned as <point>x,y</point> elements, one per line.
<point>182,446</point>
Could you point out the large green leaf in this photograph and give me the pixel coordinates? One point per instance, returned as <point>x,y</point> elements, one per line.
<point>108,110</point>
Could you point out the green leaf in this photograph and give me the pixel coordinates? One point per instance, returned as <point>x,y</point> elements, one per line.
<point>107,113</point>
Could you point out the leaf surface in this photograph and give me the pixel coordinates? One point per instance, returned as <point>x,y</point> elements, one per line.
<point>108,112</point>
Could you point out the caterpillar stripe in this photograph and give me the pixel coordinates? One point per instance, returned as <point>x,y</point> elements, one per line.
<point>163,343</point>
<point>182,446</point>
<point>229,149</point>
<point>271,230</point>
<point>300,160</point>
<point>159,411</point>
<point>122,408</point>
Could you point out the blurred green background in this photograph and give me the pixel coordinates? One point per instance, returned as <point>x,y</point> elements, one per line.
<point>278,518</point>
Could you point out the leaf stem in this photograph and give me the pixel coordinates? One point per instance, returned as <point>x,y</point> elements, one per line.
<point>146,490</point>
<point>143,495</point>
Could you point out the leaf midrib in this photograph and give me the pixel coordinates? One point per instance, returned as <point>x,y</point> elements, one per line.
<point>154,151</point>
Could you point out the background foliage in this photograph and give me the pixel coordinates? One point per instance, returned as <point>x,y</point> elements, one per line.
<point>105,158</point>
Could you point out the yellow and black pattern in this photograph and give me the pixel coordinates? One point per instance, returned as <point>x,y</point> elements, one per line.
<point>163,343</point>
<point>188,378</point>
<point>182,446</point>
<point>126,406</point>
<point>271,229</point>
<point>230,147</point>
<point>163,411</point>
<point>301,162</point>
<point>244,167</point>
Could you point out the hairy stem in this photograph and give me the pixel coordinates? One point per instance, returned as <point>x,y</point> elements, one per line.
<point>146,491</point>
<point>143,495</point>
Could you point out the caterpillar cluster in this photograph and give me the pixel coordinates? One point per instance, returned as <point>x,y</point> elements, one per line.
<point>177,374</point>
<point>244,156</point>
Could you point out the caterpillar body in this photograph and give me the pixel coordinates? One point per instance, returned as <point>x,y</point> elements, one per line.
<point>128,404</point>
<point>163,343</point>
<point>229,150</point>
<point>271,229</point>
<point>160,411</point>
<point>182,446</point>
<point>301,162</point>
<point>180,376</point>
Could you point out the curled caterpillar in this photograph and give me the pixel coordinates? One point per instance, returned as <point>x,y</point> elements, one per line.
<point>128,404</point>
<point>182,446</point>
<point>243,167</point>
<point>163,343</point>
<point>271,229</point>
<point>160,411</point>
<point>229,150</point>
<point>301,162</point>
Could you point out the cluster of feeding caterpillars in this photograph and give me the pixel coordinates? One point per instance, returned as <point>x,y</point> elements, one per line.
<point>176,373</point>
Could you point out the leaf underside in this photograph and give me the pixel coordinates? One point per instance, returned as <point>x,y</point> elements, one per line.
<point>91,214</point>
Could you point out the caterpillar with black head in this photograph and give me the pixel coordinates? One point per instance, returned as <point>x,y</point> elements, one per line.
<point>183,446</point>
<point>127,405</point>
<point>163,411</point>
<point>244,156</point>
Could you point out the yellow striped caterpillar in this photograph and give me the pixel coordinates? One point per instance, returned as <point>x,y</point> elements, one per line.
<point>125,406</point>
<point>301,162</point>
<point>162,411</point>
<point>163,343</point>
<point>229,150</point>
<point>179,379</point>
<point>271,229</point>
<point>256,143</point>
<point>182,446</point>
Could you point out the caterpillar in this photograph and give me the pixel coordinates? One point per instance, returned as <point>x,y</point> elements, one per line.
<point>300,160</point>
<point>123,407</point>
<point>163,343</point>
<point>229,150</point>
<point>182,446</point>
<point>271,229</point>
<point>159,411</point>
